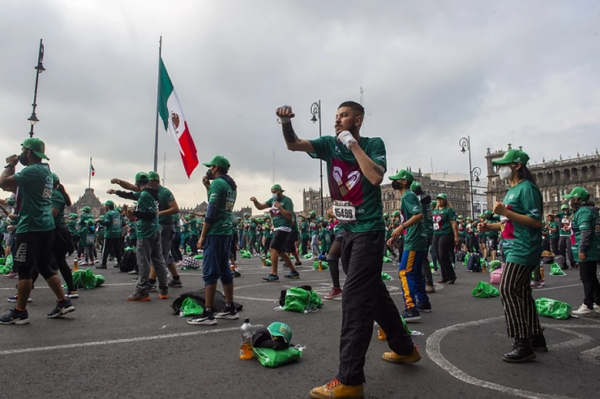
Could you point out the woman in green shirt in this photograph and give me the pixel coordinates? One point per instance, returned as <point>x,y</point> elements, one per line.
<point>522,250</point>
<point>445,237</point>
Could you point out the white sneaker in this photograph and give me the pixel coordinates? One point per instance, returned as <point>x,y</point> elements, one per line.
<point>596,308</point>
<point>584,311</point>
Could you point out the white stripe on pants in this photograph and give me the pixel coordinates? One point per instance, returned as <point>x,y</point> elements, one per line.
<point>521,316</point>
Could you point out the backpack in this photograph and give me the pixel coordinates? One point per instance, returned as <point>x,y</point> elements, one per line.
<point>474,264</point>
<point>460,256</point>
<point>198,296</point>
<point>128,262</point>
<point>191,263</point>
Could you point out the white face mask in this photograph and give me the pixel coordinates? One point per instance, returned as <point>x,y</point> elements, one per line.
<point>505,172</point>
<point>274,196</point>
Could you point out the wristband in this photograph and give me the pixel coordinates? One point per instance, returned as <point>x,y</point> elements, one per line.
<point>346,139</point>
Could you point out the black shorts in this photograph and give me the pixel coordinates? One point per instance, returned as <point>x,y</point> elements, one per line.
<point>280,240</point>
<point>493,245</point>
<point>33,251</point>
<point>290,245</point>
<point>339,236</point>
<point>481,240</point>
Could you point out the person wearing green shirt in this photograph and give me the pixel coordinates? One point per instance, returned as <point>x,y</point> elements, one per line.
<point>482,238</point>
<point>186,234</point>
<point>445,237</point>
<point>112,234</point>
<point>293,241</point>
<point>215,241</point>
<point>281,210</point>
<point>194,233</point>
<point>425,200</point>
<point>462,232</point>
<point>87,239</point>
<point>410,267</point>
<point>35,228</point>
<point>333,256</point>
<point>492,236</point>
<point>522,250</point>
<point>553,233</point>
<point>304,235</point>
<point>149,251</point>
<point>252,225</point>
<point>268,227</point>
<point>564,239</point>
<point>234,242</point>
<point>355,168</point>
<point>586,250</point>
<point>325,237</point>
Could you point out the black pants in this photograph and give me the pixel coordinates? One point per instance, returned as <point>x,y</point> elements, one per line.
<point>554,245</point>
<point>111,246</point>
<point>444,245</point>
<point>366,299</point>
<point>564,249</point>
<point>426,269</point>
<point>176,247</point>
<point>194,244</point>
<point>591,285</point>
<point>267,246</point>
<point>305,245</point>
<point>234,244</point>
<point>521,316</point>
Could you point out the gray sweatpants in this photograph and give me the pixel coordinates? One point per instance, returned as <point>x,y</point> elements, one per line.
<point>166,239</point>
<point>314,244</point>
<point>149,252</point>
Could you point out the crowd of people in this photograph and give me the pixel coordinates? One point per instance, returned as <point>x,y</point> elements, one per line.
<point>354,236</point>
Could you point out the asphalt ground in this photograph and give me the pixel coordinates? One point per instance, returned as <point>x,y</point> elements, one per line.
<point>111,348</point>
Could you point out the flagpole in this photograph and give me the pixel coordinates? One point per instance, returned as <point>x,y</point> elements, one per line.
<point>157,104</point>
<point>90,174</point>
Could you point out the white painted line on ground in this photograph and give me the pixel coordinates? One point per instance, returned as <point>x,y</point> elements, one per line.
<point>592,355</point>
<point>434,352</point>
<point>557,288</point>
<point>581,339</point>
<point>118,341</point>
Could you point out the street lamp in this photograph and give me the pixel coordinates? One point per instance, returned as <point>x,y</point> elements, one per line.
<point>474,173</point>
<point>39,68</point>
<point>315,110</point>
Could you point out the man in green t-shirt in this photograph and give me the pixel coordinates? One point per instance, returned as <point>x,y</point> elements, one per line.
<point>552,228</point>
<point>112,237</point>
<point>304,234</point>
<point>355,169</point>
<point>564,239</point>
<point>35,227</point>
<point>414,248</point>
<point>215,240</point>
<point>425,200</point>
<point>281,209</point>
<point>149,250</point>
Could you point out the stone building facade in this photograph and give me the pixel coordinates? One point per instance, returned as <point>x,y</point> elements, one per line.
<point>554,178</point>
<point>87,199</point>
<point>457,191</point>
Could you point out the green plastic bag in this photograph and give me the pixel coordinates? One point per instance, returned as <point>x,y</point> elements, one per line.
<point>275,358</point>
<point>466,260</point>
<point>128,249</point>
<point>387,259</point>
<point>324,265</point>
<point>553,308</point>
<point>199,256</point>
<point>555,270</point>
<point>386,277</point>
<point>307,256</point>
<point>188,249</point>
<point>292,257</point>
<point>9,261</point>
<point>189,307</point>
<point>315,300</point>
<point>495,264</point>
<point>2,261</point>
<point>85,278</point>
<point>388,253</point>
<point>5,269</point>
<point>296,300</point>
<point>268,262</point>
<point>485,290</point>
<point>245,254</point>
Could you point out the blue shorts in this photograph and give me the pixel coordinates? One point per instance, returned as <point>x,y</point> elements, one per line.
<point>217,250</point>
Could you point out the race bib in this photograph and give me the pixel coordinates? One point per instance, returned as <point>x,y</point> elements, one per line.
<point>436,226</point>
<point>344,211</point>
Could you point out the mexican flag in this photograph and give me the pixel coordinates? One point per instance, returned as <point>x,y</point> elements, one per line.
<point>171,113</point>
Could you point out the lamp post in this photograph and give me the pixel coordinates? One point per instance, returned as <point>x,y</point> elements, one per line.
<point>315,110</point>
<point>39,68</point>
<point>474,173</point>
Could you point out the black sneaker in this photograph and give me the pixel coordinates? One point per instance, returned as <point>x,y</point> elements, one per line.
<point>61,309</point>
<point>271,278</point>
<point>228,313</point>
<point>152,288</point>
<point>424,307</point>
<point>206,319</point>
<point>411,315</point>
<point>101,267</point>
<point>293,275</point>
<point>15,317</point>
<point>175,283</point>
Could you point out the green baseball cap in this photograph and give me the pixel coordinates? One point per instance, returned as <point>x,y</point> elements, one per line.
<point>86,209</point>
<point>109,203</point>
<point>190,216</point>
<point>512,156</point>
<point>442,196</point>
<point>460,217</point>
<point>414,186</point>
<point>488,212</point>
<point>152,175</point>
<point>396,213</point>
<point>219,161</point>
<point>55,179</point>
<point>403,174</point>
<point>142,177</point>
<point>578,192</point>
<point>564,206</point>
<point>313,213</point>
<point>279,329</point>
<point>37,146</point>
<point>469,218</point>
<point>386,215</point>
<point>238,218</point>
<point>277,187</point>
<point>246,214</point>
<point>89,222</point>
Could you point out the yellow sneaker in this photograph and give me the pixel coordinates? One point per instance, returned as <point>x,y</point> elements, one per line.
<point>335,389</point>
<point>393,357</point>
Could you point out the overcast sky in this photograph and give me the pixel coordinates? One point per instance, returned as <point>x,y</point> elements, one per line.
<point>524,72</point>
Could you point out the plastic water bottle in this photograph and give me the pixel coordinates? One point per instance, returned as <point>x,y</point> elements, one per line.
<point>75,265</point>
<point>380,333</point>
<point>246,347</point>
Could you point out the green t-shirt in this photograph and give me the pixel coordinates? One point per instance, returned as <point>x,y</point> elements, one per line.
<point>586,218</point>
<point>112,222</point>
<point>494,219</point>
<point>132,231</point>
<point>164,197</point>
<point>35,190</point>
<point>146,228</point>
<point>427,221</point>
<point>58,202</point>
<point>194,227</point>
<point>347,182</point>
<point>523,245</point>
<point>87,236</point>
<point>304,232</point>
<point>252,228</point>
<point>415,237</point>
<point>441,221</point>
<point>268,230</point>
<point>553,225</point>
<point>564,218</point>
<point>186,230</point>
<point>462,229</point>
<point>72,227</point>
<point>83,219</point>
<point>223,196</point>
<point>278,220</point>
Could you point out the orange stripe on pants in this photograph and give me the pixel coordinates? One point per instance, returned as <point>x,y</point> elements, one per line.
<point>404,282</point>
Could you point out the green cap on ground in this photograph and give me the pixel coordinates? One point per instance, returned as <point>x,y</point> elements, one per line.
<point>442,196</point>
<point>219,161</point>
<point>403,174</point>
<point>512,156</point>
<point>142,177</point>
<point>564,207</point>
<point>55,179</point>
<point>86,209</point>
<point>37,146</point>
<point>109,203</point>
<point>578,192</point>
<point>152,175</point>
<point>414,186</point>
<point>279,329</point>
<point>277,187</point>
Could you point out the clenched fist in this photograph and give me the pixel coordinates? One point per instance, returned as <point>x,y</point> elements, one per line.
<point>284,113</point>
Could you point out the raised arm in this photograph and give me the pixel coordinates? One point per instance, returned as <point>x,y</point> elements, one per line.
<point>125,185</point>
<point>292,141</point>
<point>259,205</point>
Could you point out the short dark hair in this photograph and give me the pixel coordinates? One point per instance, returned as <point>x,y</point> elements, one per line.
<point>354,106</point>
